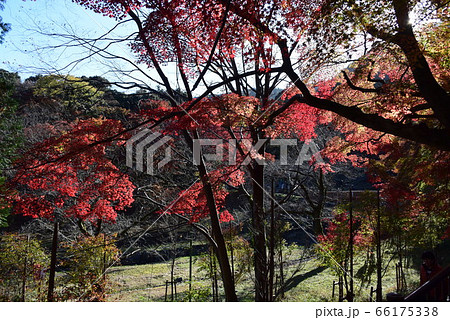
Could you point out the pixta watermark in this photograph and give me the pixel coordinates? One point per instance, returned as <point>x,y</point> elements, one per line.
<point>141,150</point>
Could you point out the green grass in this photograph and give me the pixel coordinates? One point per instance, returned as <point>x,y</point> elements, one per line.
<point>315,283</point>
<point>148,282</point>
<point>311,282</point>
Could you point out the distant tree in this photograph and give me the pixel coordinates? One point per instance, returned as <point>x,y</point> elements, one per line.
<point>23,262</point>
<point>4,27</point>
<point>56,179</point>
<point>10,135</point>
<point>77,97</point>
<point>89,257</point>
<point>4,206</point>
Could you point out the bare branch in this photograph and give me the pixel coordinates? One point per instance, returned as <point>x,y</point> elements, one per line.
<point>354,87</point>
<point>213,49</point>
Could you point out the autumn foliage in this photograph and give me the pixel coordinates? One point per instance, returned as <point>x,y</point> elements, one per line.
<point>68,175</point>
<point>388,109</point>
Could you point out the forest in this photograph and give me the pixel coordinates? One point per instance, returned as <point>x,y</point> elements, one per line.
<point>264,150</point>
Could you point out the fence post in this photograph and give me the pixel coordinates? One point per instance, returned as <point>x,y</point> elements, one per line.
<point>231,250</point>
<point>175,286</point>
<point>165,296</point>
<point>281,268</point>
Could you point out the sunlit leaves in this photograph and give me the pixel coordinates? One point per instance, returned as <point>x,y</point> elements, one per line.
<point>75,95</point>
<point>71,175</point>
<point>193,203</point>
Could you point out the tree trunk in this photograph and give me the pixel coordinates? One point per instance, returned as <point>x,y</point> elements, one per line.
<point>221,249</point>
<point>272,243</point>
<point>51,280</point>
<point>432,92</point>
<point>350,294</point>
<point>259,234</point>
<point>379,257</point>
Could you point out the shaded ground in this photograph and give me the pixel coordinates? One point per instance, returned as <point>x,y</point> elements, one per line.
<point>312,282</point>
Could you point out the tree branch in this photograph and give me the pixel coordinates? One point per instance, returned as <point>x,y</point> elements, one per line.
<point>354,87</point>
<point>149,49</point>
<point>213,49</point>
<point>286,105</point>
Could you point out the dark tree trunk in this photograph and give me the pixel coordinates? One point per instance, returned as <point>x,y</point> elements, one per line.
<point>435,95</point>
<point>379,257</point>
<point>220,249</point>
<point>272,243</point>
<point>259,234</point>
<point>51,280</point>
<point>350,293</point>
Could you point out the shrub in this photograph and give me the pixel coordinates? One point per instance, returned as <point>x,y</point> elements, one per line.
<point>87,261</point>
<point>23,264</point>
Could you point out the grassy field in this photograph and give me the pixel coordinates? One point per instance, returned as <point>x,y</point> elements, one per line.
<point>306,281</point>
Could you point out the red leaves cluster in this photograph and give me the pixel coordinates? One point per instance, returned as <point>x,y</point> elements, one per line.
<point>337,235</point>
<point>185,31</point>
<point>413,179</point>
<point>229,116</point>
<point>111,8</point>
<point>193,204</point>
<point>228,110</point>
<point>299,120</point>
<point>71,175</point>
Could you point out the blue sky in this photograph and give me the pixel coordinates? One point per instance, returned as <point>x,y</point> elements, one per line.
<point>23,50</point>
